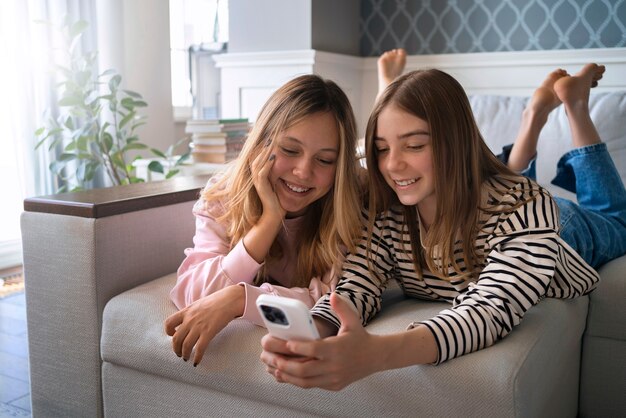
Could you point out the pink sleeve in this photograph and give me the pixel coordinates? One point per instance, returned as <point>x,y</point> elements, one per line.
<point>317,288</point>
<point>211,265</point>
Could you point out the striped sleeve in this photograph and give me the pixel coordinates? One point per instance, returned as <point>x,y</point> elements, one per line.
<point>520,264</point>
<point>359,284</point>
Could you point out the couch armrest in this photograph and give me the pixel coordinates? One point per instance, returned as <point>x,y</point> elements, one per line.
<point>80,250</point>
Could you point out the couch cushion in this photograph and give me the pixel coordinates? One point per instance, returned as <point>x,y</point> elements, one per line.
<point>603,371</point>
<point>498,118</point>
<point>607,309</point>
<point>532,372</point>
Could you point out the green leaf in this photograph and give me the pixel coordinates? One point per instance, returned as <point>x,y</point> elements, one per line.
<point>57,166</point>
<point>133,94</point>
<point>41,141</point>
<point>137,125</point>
<point>183,158</point>
<point>81,144</point>
<point>171,174</point>
<point>134,145</point>
<point>107,142</point>
<point>78,28</point>
<point>55,142</point>
<point>110,71</point>
<point>71,101</point>
<point>127,119</point>
<point>118,160</point>
<point>80,172</point>
<point>140,103</point>
<point>158,153</point>
<point>156,166</point>
<point>40,131</point>
<point>114,82</point>
<point>128,103</point>
<point>134,180</point>
<point>91,170</point>
<point>67,156</point>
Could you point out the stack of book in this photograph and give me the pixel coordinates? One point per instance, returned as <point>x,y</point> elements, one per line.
<point>217,140</point>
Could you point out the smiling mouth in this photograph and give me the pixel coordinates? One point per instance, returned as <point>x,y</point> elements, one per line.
<point>295,188</point>
<point>403,183</point>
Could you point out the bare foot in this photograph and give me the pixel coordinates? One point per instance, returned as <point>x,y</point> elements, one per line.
<point>543,101</point>
<point>574,92</point>
<point>390,66</point>
<point>575,89</point>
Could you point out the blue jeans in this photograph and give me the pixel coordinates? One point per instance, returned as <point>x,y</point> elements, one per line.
<point>596,226</point>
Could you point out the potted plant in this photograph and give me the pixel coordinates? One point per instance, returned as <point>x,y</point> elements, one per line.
<point>97,122</point>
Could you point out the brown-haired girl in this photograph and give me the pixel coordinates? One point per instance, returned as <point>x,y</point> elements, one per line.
<point>278,221</point>
<point>450,222</point>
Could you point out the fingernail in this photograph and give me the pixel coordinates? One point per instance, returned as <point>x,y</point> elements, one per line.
<point>272,157</point>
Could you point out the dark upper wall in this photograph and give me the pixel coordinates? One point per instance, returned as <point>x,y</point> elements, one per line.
<point>336,26</point>
<point>457,26</point>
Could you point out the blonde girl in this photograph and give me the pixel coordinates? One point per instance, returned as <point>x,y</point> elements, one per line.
<point>278,221</point>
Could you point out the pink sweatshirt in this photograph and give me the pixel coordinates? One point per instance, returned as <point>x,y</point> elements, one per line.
<point>212,265</point>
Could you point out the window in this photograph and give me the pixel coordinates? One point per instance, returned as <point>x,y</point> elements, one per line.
<point>194,25</point>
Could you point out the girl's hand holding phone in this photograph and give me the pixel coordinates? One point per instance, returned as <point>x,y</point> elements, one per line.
<point>287,319</point>
<point>330,363</point>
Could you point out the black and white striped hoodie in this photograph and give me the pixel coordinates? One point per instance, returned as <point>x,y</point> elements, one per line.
<point>524,260</point>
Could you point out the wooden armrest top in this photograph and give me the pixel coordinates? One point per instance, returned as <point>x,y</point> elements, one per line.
<point>100,203</point>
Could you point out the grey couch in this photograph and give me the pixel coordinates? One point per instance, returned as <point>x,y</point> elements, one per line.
<point>99,266</point>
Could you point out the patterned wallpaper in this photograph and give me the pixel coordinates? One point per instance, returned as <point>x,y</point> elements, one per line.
<point>457,26</point>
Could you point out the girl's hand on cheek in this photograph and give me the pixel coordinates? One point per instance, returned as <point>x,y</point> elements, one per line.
<point>262,166</point>
<point>331,363</point>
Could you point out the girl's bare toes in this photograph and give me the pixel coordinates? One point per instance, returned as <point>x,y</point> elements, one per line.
<point>576,88</point>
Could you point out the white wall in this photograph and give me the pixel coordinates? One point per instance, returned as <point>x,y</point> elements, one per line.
<point>269,25</point>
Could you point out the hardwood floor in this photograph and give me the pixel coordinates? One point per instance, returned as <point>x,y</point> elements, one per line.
<point>14,377</point>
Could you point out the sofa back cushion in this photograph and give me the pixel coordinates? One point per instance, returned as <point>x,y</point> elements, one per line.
<point>498,118</point>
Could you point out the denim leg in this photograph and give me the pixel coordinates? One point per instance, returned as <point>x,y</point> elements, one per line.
<point>596,226</point>
<point>591,174</point>
<point>530,171</point>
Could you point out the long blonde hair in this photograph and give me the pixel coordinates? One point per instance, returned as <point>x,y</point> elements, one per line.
<point>332,222</point>
<point>461,163</point>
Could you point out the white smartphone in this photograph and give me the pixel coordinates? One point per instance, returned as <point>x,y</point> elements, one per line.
<point>286,318</point>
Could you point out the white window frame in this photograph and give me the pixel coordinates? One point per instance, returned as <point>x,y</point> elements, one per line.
<point>188,29</point>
